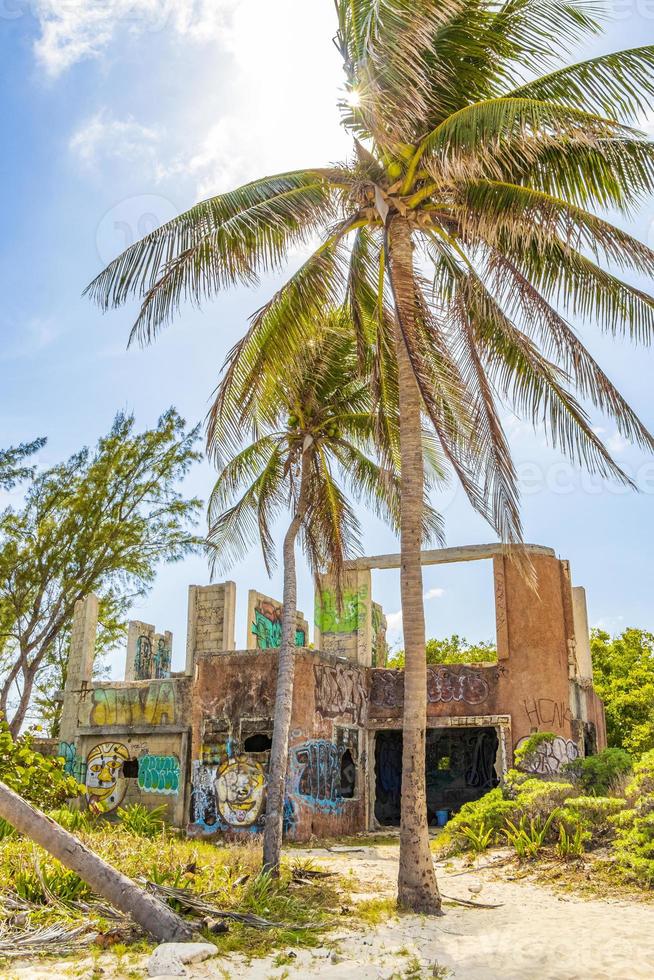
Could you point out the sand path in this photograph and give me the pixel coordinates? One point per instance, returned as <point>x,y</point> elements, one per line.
<point>536,934</point>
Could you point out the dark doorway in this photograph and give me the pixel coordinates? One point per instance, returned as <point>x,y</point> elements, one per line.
<point>460,767</point>
<point>259,742</point>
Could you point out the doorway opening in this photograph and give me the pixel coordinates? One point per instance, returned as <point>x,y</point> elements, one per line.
<point>459,768</point>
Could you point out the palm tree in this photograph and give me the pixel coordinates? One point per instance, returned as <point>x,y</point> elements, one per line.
<point>308,423</point>
<point>461,234</point>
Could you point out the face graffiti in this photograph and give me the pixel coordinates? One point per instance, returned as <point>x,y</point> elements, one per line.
<point>105,783</point>
<point>240,791</point>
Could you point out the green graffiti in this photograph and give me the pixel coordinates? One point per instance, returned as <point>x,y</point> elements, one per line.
<point>74,765</point>
<point>269,632</point>
<point>159,774</point>
<point>351,616</point>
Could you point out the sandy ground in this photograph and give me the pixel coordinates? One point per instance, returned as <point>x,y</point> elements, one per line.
<point>535,934</point>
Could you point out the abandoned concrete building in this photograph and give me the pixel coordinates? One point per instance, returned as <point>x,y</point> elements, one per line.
<point>199,740</point>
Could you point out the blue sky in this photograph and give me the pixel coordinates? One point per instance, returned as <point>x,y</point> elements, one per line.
<point>116,115</point>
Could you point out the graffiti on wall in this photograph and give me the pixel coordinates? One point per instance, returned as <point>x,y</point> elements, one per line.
<point>322,774</point>
<point>444,685</point>
<point>74,765</point>
<point>340,692</point>
<point>159,774</point>
<point>543,712</point>
<point>149,663</point>
<point>349,618</point>
<point>154,705</point>
<point>204,808</point>
<point>162,660</point>
<point>548,757</point>
<point>105,782</point>
<point>267,627</point>
<point>240,785</point>
<point>143,659</point>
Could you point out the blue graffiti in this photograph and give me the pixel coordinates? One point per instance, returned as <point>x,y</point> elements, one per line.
<point>316,775</point>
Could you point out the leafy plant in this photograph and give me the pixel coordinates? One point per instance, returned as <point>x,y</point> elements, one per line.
<point>528,838</point>
<point>73,820</point>
<point>479,838</point>
<point>476,819</point>
<point>571,840</point>
<point>37,778</point>
<point>140,820</point>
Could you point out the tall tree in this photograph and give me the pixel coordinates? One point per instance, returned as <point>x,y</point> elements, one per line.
<point>312,430</point>
<point>102,521</point>
<point>13,468</point>
<point>462,232</point>
<point>623,674</point>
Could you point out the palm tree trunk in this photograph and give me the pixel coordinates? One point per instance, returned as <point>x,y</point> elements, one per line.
<point>274,826</point>
<point>155,917</point>
<point>417,887</point>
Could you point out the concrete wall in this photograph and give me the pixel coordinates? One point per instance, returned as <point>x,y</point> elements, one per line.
<point>345,629</point>
<point>264,623</point>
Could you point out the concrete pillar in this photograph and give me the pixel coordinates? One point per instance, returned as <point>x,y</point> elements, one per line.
<point>211,621</point>
<point>582,635</point>
<point>345,632</point>
<point>80,661</point>
<point>140,651</point>
<point>264,624</point>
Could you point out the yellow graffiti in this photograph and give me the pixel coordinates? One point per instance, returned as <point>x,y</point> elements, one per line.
<point>152,705</point>
<point>105,784</point>
<point>239,789</point>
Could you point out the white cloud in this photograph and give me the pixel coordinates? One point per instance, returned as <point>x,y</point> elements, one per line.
<point>394,622</point>
<point>74,30</point>
<point>616,444</point>
<point>104,137</point>
<point>434,594</point>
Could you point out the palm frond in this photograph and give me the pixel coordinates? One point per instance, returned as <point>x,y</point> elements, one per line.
<point>619,84</point>
<point>225,240</point>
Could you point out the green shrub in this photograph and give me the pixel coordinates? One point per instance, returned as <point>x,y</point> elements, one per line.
<point>634,844</point>
<point>138,819</point>
<point>478,838</point>
<point>642,784</point>
<point>537,798</point>
<point>37,778</point>
<point>37,884</point>
<point>598,774</point>
<point>479,818</point>
<point>596,813</point>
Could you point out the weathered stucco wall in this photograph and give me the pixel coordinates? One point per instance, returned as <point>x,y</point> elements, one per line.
<point>234,705</point>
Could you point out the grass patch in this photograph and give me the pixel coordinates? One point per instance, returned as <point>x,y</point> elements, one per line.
<point>229,875</point>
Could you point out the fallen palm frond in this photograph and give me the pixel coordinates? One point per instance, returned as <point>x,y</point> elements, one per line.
<point>472,905</point>
<point>51,939</point>
<point>198,905</point>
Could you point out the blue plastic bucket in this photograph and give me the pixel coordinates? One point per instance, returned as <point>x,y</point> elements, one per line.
<point>442,816</point>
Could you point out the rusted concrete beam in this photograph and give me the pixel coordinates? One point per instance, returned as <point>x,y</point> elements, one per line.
<point>445,556</point>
